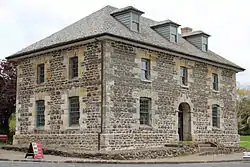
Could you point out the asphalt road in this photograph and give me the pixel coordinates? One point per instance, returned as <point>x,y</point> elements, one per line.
<point>14,164</point>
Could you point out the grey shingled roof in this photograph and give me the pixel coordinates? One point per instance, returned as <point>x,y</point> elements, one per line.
<point>194,33</point>
<point>101,22</point>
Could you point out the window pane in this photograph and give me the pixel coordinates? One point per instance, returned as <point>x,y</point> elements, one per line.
<point>215,115</point>
<point>215,81</point>
<point>40,73</point>
<point>173,38</point>
<point>145,107</point>
<point>144,64</point>
<point>135,17</point>
<point>40,113</point>
<point>145,68</point>
<point>74,113</point>
<point>135,26</point>
<point>173,30</point>
<point>204,47</point>
<point>184,75</point>
<point>204,40</point>
<point>73,67</point>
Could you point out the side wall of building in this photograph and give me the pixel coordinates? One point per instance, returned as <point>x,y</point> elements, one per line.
<point>55,91</point>
<point>124,87</point>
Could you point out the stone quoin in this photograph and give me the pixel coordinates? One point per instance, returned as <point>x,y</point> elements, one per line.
<point>134,83</point>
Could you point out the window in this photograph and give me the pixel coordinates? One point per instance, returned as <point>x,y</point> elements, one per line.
<point>40,73</point>
<point>135,22</point>
<point>73,67</point>
<point>215,81</point>
<point>184,76</point>
<point>145,107</point>
<point>145,69</point>
<point>204,44</point>
<point>74,113</point>
<point>173,34</point>
<point>216,115</point>
<point>40,107</point>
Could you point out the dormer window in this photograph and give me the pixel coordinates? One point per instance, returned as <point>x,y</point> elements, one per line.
<point>135,22</point>
<point>197,38</point>
<point>167,29</point>
<point>173,34</point>
<point>129,17</point>
<point>204,44</point>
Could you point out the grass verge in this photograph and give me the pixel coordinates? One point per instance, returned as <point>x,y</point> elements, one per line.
<point>245,142</point>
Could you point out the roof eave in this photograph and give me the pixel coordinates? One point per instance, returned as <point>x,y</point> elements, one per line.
<point>14,56</point>
<point>52,46</point>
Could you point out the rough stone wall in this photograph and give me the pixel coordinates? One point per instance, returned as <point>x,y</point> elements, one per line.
<point>56,90</point>
<point>124,87</point>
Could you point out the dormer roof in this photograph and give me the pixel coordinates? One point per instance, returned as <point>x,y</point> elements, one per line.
<point>126,9</point>
<point>165,22</point>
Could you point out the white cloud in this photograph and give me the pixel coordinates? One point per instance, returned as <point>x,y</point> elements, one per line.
<point>26,21</point>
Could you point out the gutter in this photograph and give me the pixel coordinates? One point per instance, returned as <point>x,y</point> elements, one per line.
<point>124,38</point>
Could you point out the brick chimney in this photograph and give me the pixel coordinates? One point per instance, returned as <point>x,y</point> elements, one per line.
<point>185,30</point>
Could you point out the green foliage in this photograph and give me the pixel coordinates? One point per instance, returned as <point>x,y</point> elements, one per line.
<point>243,111</point>
<point>12,126</point>
<point>245,141</point>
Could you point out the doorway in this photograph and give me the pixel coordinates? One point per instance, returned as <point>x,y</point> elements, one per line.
<point>184,122</point>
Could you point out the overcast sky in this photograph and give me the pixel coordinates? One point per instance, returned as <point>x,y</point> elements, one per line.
<point>23,22</point>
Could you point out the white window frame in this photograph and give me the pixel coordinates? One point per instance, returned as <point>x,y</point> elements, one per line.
<point>204,44</point>
<point>184,76</point>
<point>135,19</point>
<point>173,32</point>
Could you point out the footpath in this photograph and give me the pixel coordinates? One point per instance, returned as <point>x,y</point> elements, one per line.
<point>6,155</point>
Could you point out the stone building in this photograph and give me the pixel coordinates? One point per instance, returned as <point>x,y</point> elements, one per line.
<point>118,80</point>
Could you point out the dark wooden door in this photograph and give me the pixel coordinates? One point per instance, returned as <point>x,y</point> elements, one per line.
<point>180,125</point>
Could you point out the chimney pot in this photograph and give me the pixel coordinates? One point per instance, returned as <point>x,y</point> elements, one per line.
<point>185,30</point>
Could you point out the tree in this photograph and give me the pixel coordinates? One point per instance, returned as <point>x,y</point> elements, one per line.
<point>243,110</point>
<point>7,91</point>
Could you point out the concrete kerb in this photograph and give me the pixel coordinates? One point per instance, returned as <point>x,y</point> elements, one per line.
<point>123,162</point>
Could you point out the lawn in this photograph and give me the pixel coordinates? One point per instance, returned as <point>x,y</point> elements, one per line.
<point>245,141</point>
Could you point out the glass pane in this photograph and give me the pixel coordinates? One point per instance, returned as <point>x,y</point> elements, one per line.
<point>74,67</point>
<point>173,30</point>
<point>145,107</point>
<point>181,71</point>
<point>40,113</point>
<point>135,26</point>
<point>135,17</point>
<point>74,113</point>
<point>173,38</point>
<point>145,68</point>
<point>183,75</point>
<point>204,40</point>
<point>144,64</point>
<point>40,73</point>
<point>215,115</point>
<point>204,47</point>
<point>143,74</point>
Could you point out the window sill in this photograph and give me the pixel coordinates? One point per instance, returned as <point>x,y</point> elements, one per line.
<point>185,86</point>
<point>215,91</point>
<point>41,84</point>
<point>216,128</point>
<point>74,79</point>
<point>39,128</point>
<point>74,127</point>
<point>145,127</point>
<point>145,80</point>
